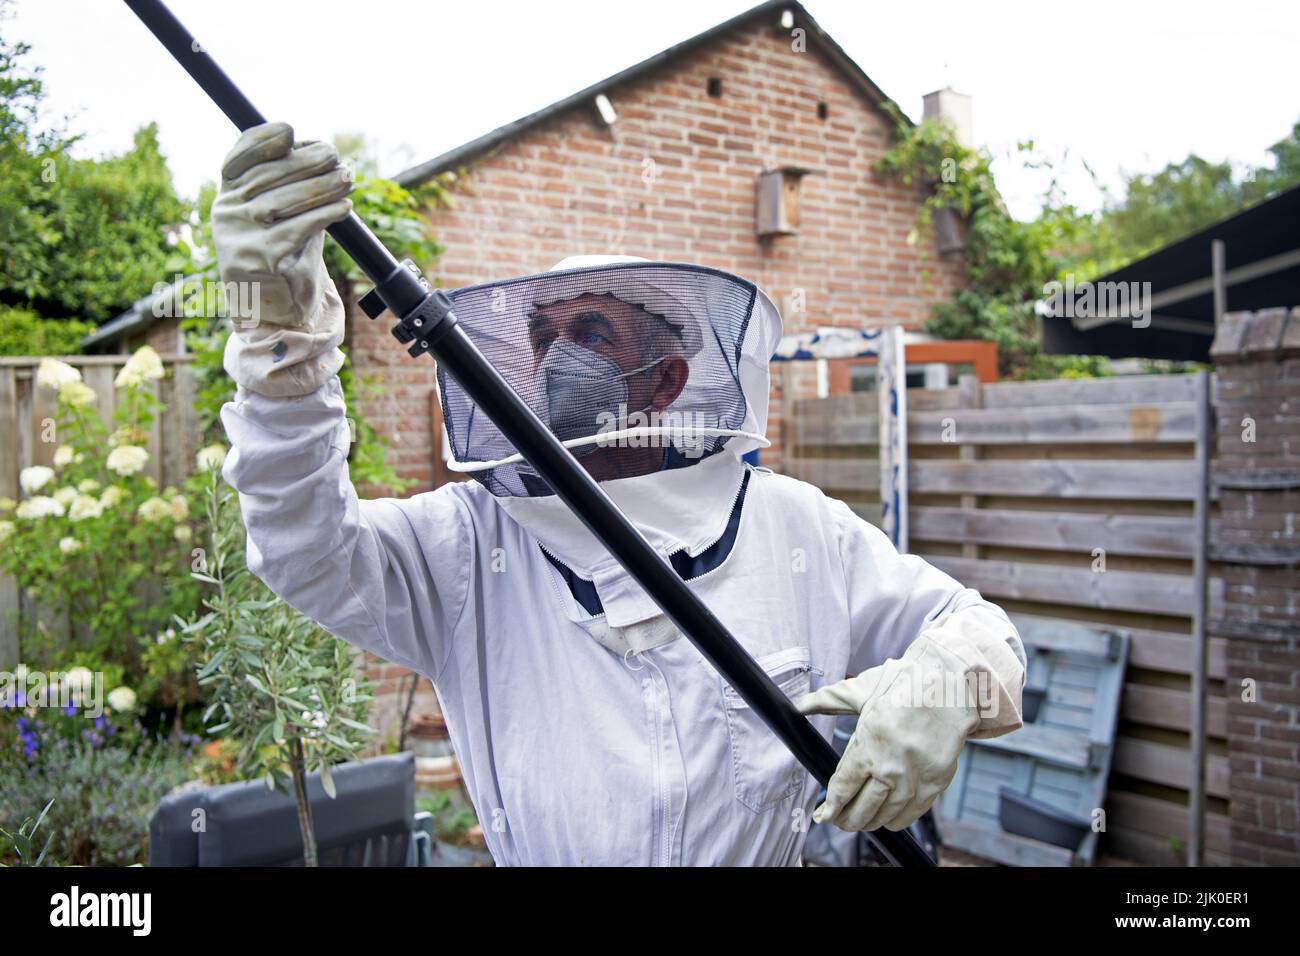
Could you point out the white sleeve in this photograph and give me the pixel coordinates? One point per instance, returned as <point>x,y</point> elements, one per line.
<point>358,568</point>
<point>894,597</point>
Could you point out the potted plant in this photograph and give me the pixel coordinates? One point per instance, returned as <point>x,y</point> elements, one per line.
<point>283,691</point>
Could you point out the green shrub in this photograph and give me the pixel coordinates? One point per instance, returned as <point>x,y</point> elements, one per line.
<point>102,795</point>
<point>23,332</point>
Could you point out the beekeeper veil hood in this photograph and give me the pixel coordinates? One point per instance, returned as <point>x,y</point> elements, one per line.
<point>646,371</point>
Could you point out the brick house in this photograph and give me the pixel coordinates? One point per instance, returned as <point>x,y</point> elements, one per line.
<point>663,160</point>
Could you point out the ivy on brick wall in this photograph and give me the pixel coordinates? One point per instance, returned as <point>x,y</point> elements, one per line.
<point>1007,261</point>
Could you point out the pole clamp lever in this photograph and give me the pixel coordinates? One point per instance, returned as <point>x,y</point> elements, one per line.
<point>426,323</point>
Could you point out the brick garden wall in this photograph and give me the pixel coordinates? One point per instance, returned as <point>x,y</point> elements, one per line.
<point>675,178</point>
<point>1257,403</point>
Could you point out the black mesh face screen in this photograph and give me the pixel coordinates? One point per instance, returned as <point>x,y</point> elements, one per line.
<point>634,365</point>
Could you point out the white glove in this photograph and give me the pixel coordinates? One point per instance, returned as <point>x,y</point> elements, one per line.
<point>268,226</point>
<point>959,679</point>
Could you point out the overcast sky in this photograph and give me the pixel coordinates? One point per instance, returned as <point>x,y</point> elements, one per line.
<point>1125,85</point>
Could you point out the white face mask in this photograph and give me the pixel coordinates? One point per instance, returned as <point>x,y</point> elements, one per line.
<point>580,389</point>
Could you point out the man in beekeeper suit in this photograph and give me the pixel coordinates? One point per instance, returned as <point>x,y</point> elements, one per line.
<point>587,730</point>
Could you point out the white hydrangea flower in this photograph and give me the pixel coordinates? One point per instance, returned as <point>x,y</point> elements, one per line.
<point>182,533</point>
<point>40,507</point>
<point>64,496</point>
<point>63,456</point>
<point>77,394</point>
<point>121,699</point>
<point>88,486</point>
<point>35,478</point>
<point>127,459</point>
<point>127,435</point>
<point>180,508</point>
<point>143,366</point>
<point>211,457</point>
<point>154,509</point>
<point>69,546</point>
<point>85,506</point>
<point>6,531</point>
<point>53,374</point>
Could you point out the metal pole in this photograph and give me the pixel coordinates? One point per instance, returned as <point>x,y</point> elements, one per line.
<point>1201,582</point>
<point>1219,277</point>
<point>891,383</point>
<point>404,293</point>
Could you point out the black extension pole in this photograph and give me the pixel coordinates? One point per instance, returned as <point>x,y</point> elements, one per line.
<point>426,321</point>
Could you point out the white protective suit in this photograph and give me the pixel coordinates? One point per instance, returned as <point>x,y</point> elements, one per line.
<point>606,739</point>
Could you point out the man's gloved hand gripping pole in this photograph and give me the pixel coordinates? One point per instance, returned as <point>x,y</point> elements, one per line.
<point>426,322</point>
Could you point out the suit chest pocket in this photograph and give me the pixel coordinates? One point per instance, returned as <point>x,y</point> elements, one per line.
<point>765,773</point>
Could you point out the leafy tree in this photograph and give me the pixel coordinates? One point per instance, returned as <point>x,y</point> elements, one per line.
<point>78,237</point>
<point>1162,207</point>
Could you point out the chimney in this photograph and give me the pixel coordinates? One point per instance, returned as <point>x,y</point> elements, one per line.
<point>954,107</point>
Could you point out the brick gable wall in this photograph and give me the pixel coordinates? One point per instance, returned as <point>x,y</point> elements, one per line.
<point>675,178</point>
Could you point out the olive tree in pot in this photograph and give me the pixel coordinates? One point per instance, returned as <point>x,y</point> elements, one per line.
<point>280,686</point>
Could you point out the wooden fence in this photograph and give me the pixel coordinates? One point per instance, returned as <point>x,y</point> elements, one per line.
<point>25,415</point>
<point>1026,491</point>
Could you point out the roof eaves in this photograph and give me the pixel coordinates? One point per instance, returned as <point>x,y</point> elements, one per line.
<point>458,156</point>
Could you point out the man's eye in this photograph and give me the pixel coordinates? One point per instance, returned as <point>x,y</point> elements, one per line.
<point>592,337</point>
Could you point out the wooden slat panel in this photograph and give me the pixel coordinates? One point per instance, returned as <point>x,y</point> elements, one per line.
<point>1058,478</point>
<point>1163,651</point>
<point>842,474</point>
<point>9,447</point>
<point>9,442</point>
<point>930,399</point>
<point>1170,708</point>
<point>1114,590</point>
<point>1155,849</point>
<point>154,468</point>
<point>100,378</point>
<point>45,438</point>
<point>1164,480</point>
<point>1164,764</point>
<point>1152,815</point>
<point>842,422</point>
<point>28,363</point>
<point>1144,389</point>
<point>1163,536</point>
